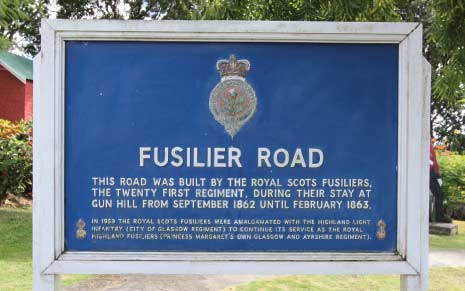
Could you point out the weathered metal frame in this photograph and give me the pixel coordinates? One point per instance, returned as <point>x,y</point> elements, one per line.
<point>50,260</point>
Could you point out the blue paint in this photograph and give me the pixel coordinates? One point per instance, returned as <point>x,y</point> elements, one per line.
<point>341,98</point>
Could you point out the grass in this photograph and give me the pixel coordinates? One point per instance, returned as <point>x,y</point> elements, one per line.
<point>445,242</point>
<point>16,265</point>
<point>447,279</point>
<point>16,251</point>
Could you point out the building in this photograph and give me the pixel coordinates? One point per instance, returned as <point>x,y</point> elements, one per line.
<point>15,87</point>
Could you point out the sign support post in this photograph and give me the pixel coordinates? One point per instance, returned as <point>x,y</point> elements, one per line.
<point>44,224</point>
<point>421,76</point>
<point>420,281</point>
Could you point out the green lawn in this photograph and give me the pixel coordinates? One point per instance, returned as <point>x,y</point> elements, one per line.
<point>16,266</point>
<point>16,251</point>
<point>449,242</point>
<point>441,279</point>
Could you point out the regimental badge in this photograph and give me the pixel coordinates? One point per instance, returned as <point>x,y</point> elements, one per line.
<point>233,101</point>
<point>81,232</point>
<point>381,233</point>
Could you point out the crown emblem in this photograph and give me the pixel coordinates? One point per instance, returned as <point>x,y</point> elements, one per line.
<point>80,232</point>
<point>381,233</point>
<point>233,67</point>
<point>233,100</point>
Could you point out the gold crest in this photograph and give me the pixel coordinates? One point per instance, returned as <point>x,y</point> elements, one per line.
<point>233,101</point>
<point>381,233</point>
<point>81,232</point>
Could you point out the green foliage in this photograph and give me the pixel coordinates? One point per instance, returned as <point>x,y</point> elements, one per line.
<point>445,50</point>
<point>125,9</point>
<point>30,24</point>
<point>19,24</point>
<point>453,176</point>
<point>456,210</point>
<point>339,10</point>
<point>4,42</point>
<point>15,158</point>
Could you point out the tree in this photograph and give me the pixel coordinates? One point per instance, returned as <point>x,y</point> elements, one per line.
<point>29,29</point>
<point>125,9</point>
<point>444,42</point>
<point>328,10</point>
<point>6,13</point>
<point>19,24</point>
<point>447,52</point>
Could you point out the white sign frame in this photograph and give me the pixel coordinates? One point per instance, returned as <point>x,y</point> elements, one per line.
<point>49,258</point>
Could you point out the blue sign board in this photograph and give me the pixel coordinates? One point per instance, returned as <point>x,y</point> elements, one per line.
<point>185,146</point>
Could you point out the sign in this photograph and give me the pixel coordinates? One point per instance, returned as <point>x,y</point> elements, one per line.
<point>300,150</point>
<point>169,159</point>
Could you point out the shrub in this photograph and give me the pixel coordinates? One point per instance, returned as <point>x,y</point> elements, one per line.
<point>456,210</point>
<point>452,167</point>
<point>15,158</point>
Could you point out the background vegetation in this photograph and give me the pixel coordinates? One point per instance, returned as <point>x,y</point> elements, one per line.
<point>452,167</point>
<point>15,158</point>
